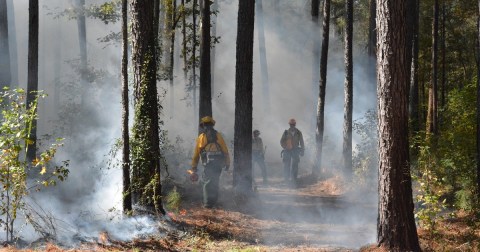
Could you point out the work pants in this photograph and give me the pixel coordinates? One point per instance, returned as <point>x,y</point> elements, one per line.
<point>290,164</point>
<point>211,179</point>
<point>258,158</point>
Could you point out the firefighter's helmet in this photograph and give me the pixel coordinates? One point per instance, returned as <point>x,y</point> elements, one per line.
<point>207,119</point>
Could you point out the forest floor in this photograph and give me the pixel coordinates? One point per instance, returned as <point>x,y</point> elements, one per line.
<point>312,216</point>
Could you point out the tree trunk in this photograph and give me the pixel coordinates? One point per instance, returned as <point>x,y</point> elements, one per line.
<point>263,58</point>
<point>478,103</point>
<point>348,107</point>
<point>444,85</point>
<point>414,93</point>
<point>372,35</point>
<point>314,11</point>
<point>82,37</point>
<point>194,67</point>
<point>127,199</point>
<point>432,116</point>
<point>322,87</point>
<point>205,67</point>
<point>315,34</point>
<point>145,133</point>
<point>242,174</point>
<point>173,25</point>
<point>32,83</point>
<point>5,73</point>
<point>12,40</point>
<point>396,224</point>
<point>184,43</point>
<point>214,9</point>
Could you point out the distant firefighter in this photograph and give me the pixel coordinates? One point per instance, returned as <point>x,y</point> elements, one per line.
<point>293,148</point>
<point>258,154</point>
<point>213,151</point>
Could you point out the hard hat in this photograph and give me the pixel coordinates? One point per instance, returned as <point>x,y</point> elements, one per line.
<point>292,121</point>
<point>256,132</point>
<point>207,119</point>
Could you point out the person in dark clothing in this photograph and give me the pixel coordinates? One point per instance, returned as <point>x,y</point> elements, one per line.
<point>258,154</point>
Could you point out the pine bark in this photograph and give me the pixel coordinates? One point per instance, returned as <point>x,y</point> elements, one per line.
<point>127,199</point>
<point>322,86</point>
<point>32,79</point>
<point>396,229</point>
<point>242,174</point>
<point>348,90</point>
<point>5,70</point>
<point>145,133</point>
<point>205,66</point>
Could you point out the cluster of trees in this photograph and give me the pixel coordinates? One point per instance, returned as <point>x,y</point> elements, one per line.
<point>428,98</point>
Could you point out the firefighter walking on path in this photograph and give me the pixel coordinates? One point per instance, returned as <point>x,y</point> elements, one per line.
<point>293,147</point>
<point>258,154</point>
<point>213,151</point>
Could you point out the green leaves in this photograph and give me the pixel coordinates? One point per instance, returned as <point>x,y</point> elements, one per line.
<point>15,126</point>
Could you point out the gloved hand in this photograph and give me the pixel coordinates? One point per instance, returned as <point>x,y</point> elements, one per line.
<point>193,174</point>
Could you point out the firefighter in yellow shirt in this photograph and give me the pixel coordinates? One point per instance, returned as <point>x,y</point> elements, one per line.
<point>293,147</point>
<point>212,150</point>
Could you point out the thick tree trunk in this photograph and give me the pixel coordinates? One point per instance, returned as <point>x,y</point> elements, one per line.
<point>432,117</point>
<point>348,105</point>
<point>5,73</point>
<point>205,67</point>
<point>322,87</point>
<point>262,51</point>
<point>213,32</point>
<point>127,199</point>
<point>396,224</point>
<point>32,82</point>
<point>242,174</point>
<point>145,133</point>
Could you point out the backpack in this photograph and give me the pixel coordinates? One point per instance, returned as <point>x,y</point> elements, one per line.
<point>287,141</point>
<point>212,152</point>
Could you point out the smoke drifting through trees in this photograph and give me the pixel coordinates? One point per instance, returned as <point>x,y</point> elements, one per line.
<point>98,120</point>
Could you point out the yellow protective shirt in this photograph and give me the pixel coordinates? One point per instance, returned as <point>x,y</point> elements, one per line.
<point>202,142</point>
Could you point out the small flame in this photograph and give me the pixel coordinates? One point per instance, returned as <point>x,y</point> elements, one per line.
<point>103,237</point>
<point>183,212</point>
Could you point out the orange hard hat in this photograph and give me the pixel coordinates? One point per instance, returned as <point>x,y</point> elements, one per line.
<point>292,121</point>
